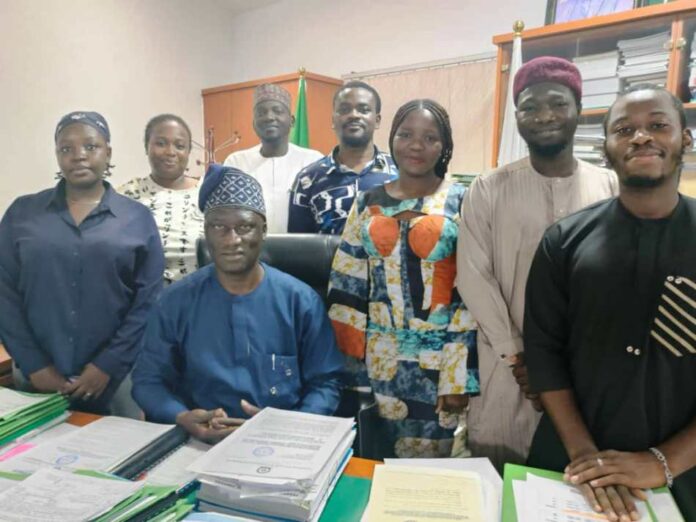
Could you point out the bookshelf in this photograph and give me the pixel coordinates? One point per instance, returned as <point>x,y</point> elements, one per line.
<point>601,34</point>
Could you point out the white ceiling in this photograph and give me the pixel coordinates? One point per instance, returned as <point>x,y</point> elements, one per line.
<point>240,6</point>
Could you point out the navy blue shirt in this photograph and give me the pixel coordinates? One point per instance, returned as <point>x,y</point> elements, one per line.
<point>207,348</point>
<point>324,191</point>
<point>71,295</point>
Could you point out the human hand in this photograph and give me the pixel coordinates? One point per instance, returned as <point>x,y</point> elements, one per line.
<point>616,502</point>
<point>519,372</point>
<point>47,380</point>
<point>231,422</point>
<point>203,424</point>
<point>453,403</point>
<point>89,385</point>
<point>637,470</point>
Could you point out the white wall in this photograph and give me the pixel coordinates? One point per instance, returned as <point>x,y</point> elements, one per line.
<point>336,37</point>
<point>132,59</point>
<point>127,59</point>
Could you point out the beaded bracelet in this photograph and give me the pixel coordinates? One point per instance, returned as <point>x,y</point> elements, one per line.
<point>663,460</point>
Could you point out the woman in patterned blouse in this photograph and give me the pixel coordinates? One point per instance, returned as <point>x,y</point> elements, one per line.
<point>170,194</point>
<point>393,301</point>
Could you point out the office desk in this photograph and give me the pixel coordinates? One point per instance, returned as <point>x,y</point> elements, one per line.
<point>357,467</point>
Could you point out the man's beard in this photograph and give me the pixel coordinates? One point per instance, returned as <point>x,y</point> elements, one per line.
<point>647,182</point>
<point>547,151</point>
<point>356,141</point>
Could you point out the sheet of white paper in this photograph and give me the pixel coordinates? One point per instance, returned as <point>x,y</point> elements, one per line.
<point>52,433</point>
<point>52,495</point>
<point>172,470</point>
<point>522,500</point>
<point>98,446</point>
<point>276,446</point>
<point>6,483</point>
<point>490,479</point>
<point>664,507</point>
<point>12,401</point>
<point>547,500</point>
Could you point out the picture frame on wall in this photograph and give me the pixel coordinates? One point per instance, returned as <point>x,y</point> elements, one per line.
<point>559,11</point>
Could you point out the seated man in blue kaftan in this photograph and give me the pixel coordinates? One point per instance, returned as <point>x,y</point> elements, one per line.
<point>237,335</point>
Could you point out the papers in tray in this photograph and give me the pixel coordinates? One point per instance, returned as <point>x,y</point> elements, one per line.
<point>102,445</point>
<point>280,464</point>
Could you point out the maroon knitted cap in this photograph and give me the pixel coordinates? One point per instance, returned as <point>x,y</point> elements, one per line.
<point>548,69</point>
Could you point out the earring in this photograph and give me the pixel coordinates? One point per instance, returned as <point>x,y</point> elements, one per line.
<point>58,175</point>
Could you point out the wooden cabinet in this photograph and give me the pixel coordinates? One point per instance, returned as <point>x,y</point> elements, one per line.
<point>228,110</point>
<point>601,34</point>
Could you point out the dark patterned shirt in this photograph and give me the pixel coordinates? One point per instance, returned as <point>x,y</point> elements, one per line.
<point>324,191</point>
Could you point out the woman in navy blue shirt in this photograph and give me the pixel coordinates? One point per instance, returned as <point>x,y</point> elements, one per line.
<point>80,266</point>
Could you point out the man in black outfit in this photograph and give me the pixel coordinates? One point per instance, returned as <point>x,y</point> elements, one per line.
<point>610,321</point>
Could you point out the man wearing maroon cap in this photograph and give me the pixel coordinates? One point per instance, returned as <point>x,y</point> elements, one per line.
<point>504,216</point>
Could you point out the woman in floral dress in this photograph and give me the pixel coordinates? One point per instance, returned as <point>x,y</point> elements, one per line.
<point>393,300</point>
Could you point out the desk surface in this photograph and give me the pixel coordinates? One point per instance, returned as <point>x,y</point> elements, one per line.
<point>357,467</point>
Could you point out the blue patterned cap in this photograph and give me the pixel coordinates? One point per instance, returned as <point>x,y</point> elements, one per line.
<point>230,187</point>
<point>93,119</point>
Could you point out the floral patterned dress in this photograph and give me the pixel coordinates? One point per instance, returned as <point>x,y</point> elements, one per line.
<point>179,221</point>
<point>394,304</point>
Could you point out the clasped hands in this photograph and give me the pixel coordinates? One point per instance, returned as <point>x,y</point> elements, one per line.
<point>212,426</point>
<point>90,384</point>
<point>611,480</point>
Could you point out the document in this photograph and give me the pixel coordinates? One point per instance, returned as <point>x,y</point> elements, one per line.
<point>539,499</point>
<point>172,470</point>
<point>12,401</point>
<point>490,479</point>
<point>278,447</point>
<point>52,495</point>
<point>100,446</point>
<point>416,494</point>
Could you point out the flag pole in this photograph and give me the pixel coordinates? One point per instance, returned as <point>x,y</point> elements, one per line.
<point>512,147</point>
<point>300,130</point>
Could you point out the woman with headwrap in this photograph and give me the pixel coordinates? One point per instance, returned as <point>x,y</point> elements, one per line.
<point>79,267</point>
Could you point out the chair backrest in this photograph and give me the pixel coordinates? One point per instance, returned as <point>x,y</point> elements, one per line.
<point>307,257</point>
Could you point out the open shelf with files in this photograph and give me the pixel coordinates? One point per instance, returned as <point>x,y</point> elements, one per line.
<point>649,44</point>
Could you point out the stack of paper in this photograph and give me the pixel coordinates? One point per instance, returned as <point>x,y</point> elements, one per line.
<point>21,412</point>
<point>645,60</point>
<point>401,493</point>
<point>56,495</point>
<point>589,143</point>
<point>531,495</point>
<point>600,80</point>
<point>103,445</point>
<point>279,465</point>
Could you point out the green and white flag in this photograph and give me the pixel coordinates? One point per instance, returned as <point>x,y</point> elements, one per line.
<point>300,131</point>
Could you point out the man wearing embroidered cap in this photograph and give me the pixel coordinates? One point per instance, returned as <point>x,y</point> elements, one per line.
<point>504,215</point>
<point>274,162</point>
<point>236,335</point>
